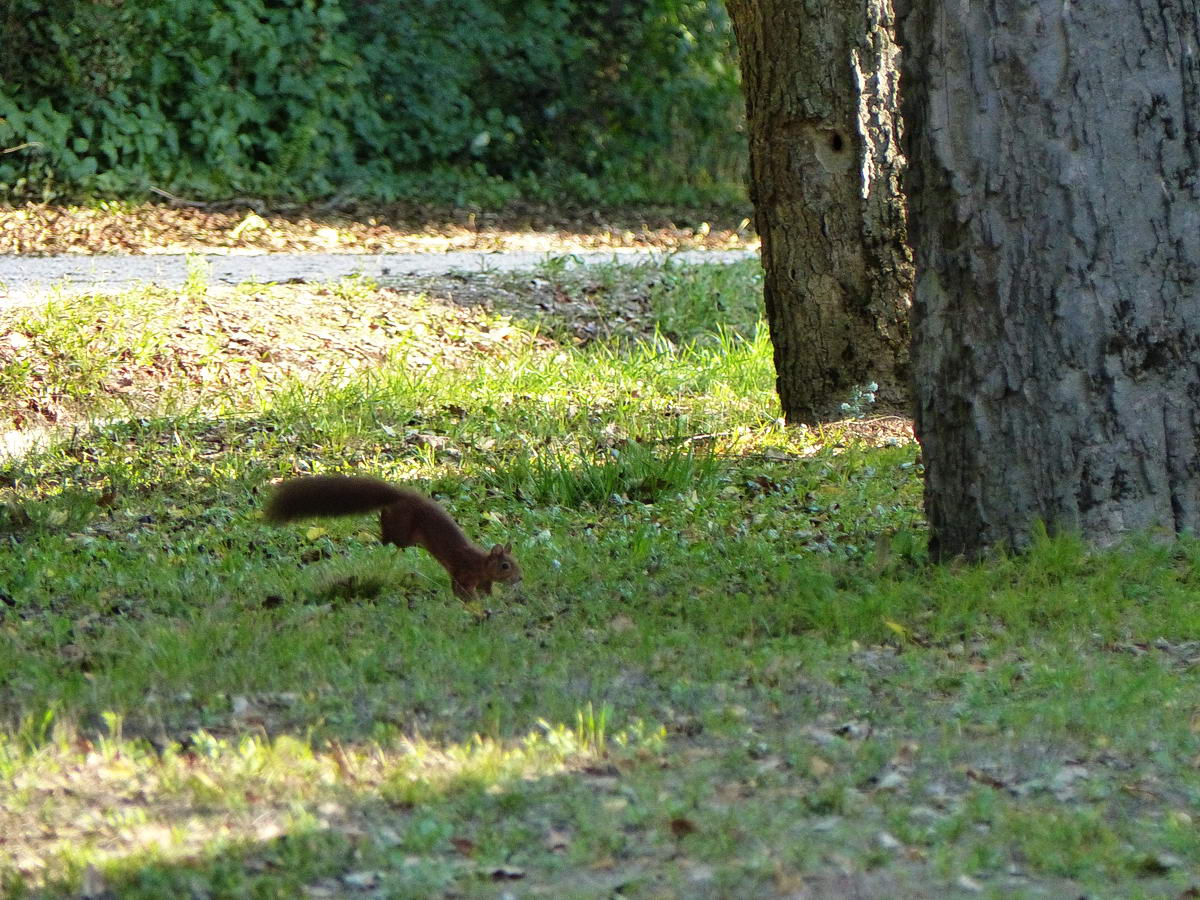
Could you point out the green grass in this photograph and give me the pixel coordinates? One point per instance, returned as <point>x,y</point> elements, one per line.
<point>730,670</point>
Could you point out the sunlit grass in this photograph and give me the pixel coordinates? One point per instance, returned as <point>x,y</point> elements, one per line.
<point>127,806</point>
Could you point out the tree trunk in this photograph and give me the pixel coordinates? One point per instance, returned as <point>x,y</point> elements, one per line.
<point>825,161</point>
<point>1054,209</point>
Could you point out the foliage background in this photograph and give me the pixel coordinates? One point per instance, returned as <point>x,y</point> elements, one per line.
<point>446,100</point>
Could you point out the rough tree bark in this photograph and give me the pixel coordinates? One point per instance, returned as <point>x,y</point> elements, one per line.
<point>820,83</point>
<point>1054,210</point>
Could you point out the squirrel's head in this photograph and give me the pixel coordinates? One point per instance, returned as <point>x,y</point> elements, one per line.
<point>501,566</point>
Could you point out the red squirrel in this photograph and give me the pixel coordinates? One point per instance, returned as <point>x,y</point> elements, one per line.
<point>406,519</point>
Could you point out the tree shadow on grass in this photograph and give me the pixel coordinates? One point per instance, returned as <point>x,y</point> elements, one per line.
<point>353,837</point>
<point>578,827</point>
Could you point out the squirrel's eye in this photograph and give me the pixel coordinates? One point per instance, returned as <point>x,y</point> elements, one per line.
<point>504,565</point>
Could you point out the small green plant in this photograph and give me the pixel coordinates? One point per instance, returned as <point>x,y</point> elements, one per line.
<point>630,473</point>
<point>860,401</point>
<point>195,282</point>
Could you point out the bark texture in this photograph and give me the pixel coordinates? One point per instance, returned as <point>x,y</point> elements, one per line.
<point>822,111</point>
<point>1054,209</point>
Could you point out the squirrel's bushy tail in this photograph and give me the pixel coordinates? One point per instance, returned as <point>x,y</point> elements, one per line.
<point>329,495</point>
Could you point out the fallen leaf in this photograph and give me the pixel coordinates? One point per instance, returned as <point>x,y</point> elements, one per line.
<point>898,628</point>
<point>984,778</point>
<point>362,880</point>
<point>682,827</point>
<point>854,731</point>
<point>252,222</point>
<point>388,837</point>
<point>341,761</point>
<point>620,624</point>
<point>506,873</point>
<point>322,890</point>
<point>1063,783</point>
<point>967,883</point>
<point>888,841</point>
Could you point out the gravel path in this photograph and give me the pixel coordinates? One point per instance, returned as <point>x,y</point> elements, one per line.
<point>25,279</point>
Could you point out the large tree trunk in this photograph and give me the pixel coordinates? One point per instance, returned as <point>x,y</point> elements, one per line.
<point>1054,210</point>
<point>825,163</point>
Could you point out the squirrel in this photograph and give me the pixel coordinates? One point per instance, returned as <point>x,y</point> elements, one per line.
<point>406,519</point>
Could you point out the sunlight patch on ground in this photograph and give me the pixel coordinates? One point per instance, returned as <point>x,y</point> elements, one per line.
<point>41,229</point>
<point>70,799</point>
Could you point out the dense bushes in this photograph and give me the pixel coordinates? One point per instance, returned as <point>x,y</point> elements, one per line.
<point>635,100</point>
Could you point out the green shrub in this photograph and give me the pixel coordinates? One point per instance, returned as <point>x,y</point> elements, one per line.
<point>371,98</point>
<point>212,98</point>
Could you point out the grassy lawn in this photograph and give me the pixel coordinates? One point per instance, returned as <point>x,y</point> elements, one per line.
<point>730,670</point>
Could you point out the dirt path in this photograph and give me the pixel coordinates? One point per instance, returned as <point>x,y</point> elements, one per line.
<point>25,279</point>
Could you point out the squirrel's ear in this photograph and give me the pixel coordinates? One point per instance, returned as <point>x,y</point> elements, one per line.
<point>508,547</point>
<point>497,550</point>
